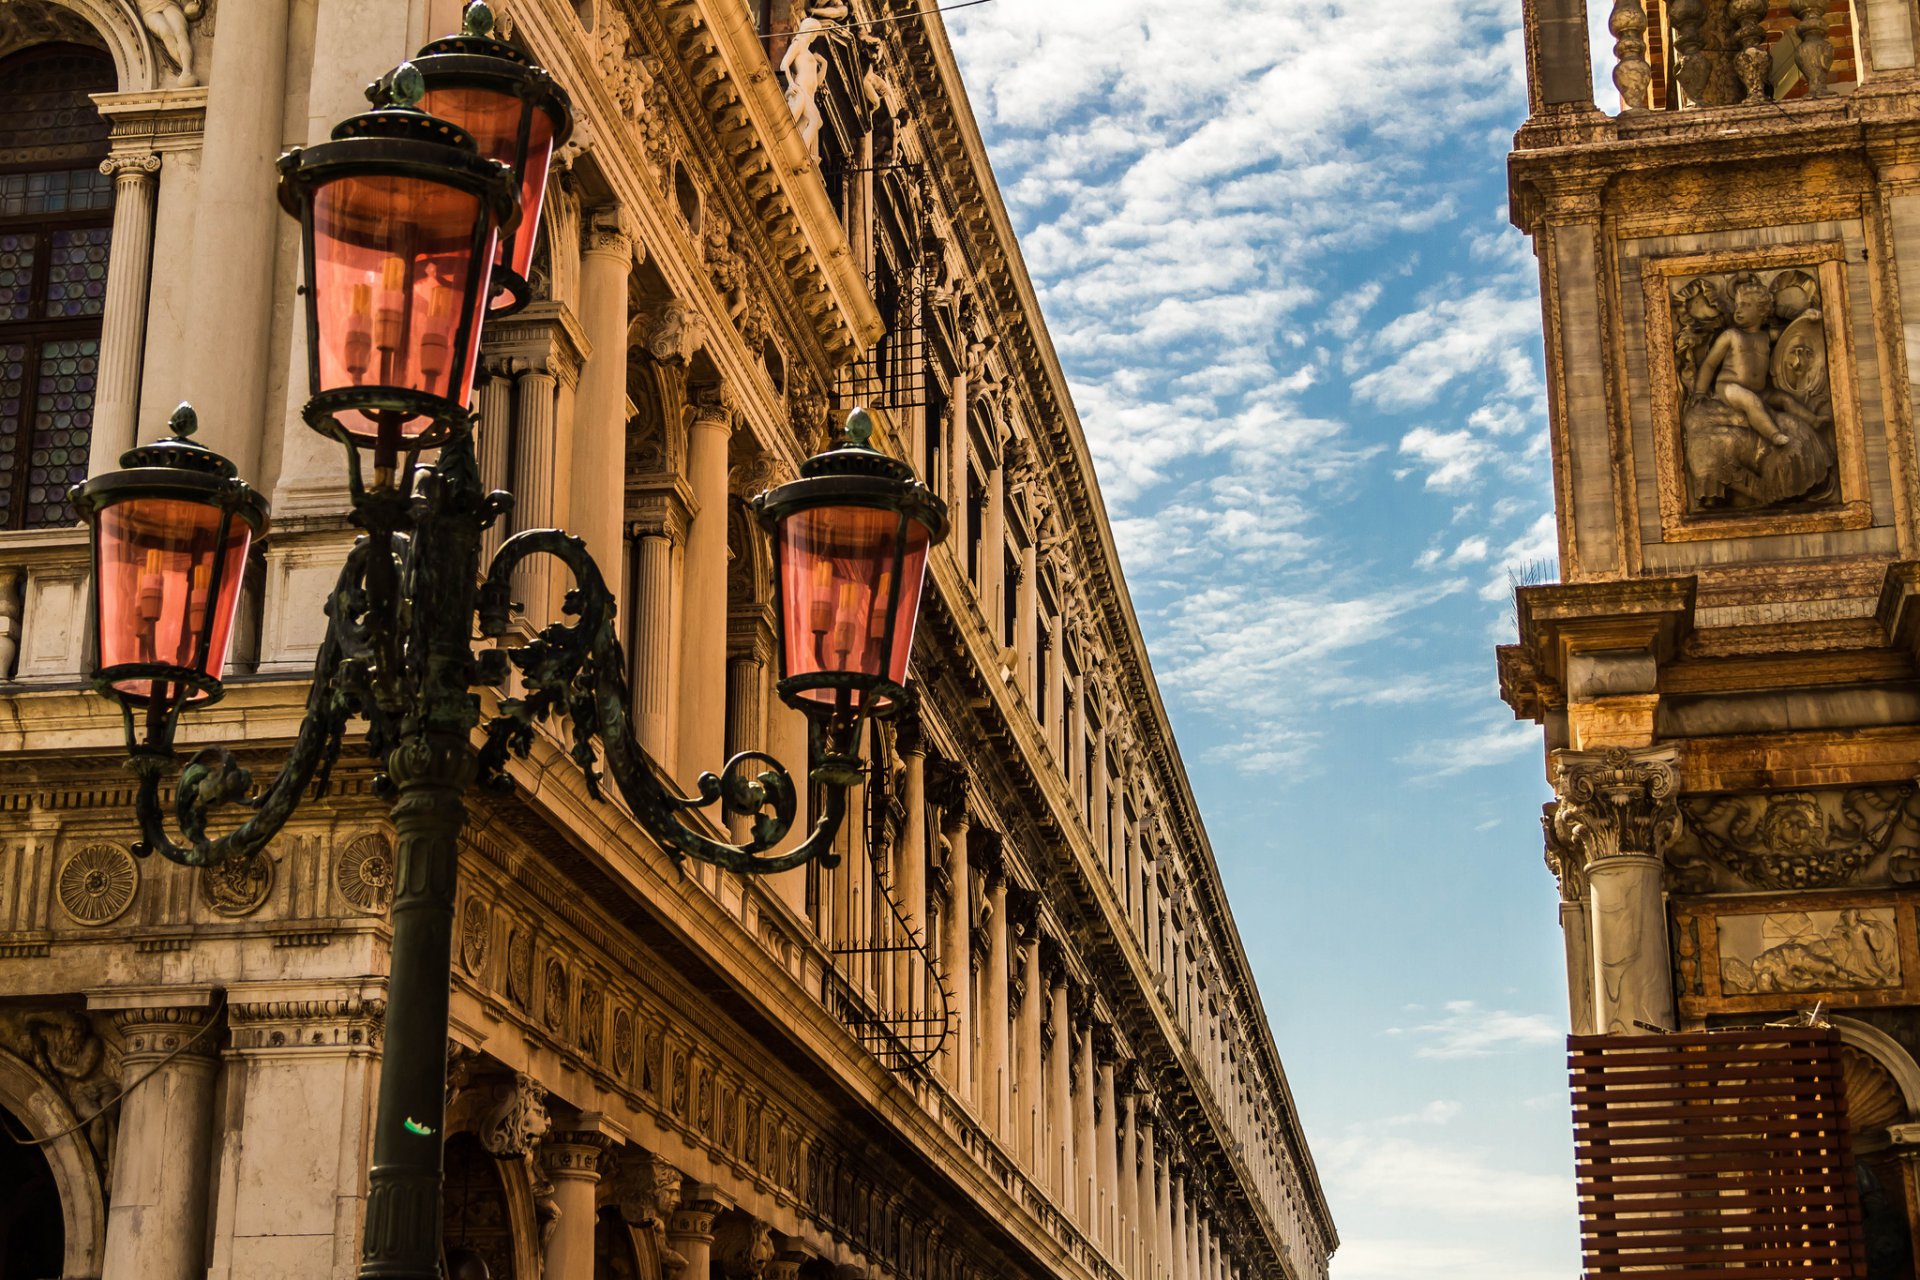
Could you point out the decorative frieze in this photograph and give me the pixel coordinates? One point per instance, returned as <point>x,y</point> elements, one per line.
<point>1798,840</point>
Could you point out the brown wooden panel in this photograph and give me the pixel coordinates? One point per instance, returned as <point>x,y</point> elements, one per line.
<point>1714,1156</point>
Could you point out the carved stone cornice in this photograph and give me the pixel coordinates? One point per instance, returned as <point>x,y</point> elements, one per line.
<point>608,229</point>
<point>1560,620</point>
<point>665,511</point>
<point>1616,803</point>
<point>159,120</point>
<point>575,1154</point>
<point>547,337</point>
<point>299,1017</point>
<point>693,1217</point>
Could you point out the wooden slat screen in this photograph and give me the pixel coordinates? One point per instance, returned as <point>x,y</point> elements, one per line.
<point>1715,1156</point>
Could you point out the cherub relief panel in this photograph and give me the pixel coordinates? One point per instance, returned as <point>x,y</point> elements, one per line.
<point>1756,424</point>
<point>1755,420</point>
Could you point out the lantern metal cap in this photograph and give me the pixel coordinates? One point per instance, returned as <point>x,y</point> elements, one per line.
<point>476,57</point>
<point>853,473</point>
<point>174,467</point>
<point>397,116</point>
<point>476,37</point>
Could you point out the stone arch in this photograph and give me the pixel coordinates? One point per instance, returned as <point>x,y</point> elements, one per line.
<point>32,1100</point>
<point>1888,1052</point>
<point>112,25</point>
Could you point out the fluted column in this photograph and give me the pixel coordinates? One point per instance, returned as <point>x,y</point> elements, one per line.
<point>1203,1251</point>
<point>993,554</point>
<point>1085,1165</point>
<point>659,529</point>
<point>1168,1256</point>
<point>910,858</point>
<point>1031,1107</point>
<point>123,318</point>
<point>1055,675</point>
<point>1059,1127</point>
<point>157,1221</point>
<point>1127,1187</point>
<point>1147,1229</point>
<point>1098,812</point>
<point>995,1086</point>
<point>598,481</point>
<point>704,591</point>
<point>1026,619</point>
<point>534,493</point>
<point>1076,744</point>
<point>493,439</point>
<point>1180,1254</point>
<point>1106,1145</point>
<point>572,1162</point>
<point>690,1230</point>
<point>957,463</point>
<point>1616,810</point>
<point>956,947</point>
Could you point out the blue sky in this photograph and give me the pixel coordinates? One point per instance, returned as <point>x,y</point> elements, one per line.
<point>1272,247</point>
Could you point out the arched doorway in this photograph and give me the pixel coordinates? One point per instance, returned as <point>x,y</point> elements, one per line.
<point>33,1240</point>
<point>476,1215</point>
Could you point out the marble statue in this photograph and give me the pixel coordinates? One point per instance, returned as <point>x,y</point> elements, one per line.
<point>804,72</point>
<point>1756,420</point>
<point>167,20</point>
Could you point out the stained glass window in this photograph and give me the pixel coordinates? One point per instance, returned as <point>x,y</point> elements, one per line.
<point>55,211</point>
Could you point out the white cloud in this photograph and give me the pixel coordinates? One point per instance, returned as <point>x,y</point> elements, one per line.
<point>1465,1030</point>
<point>1453,459</point>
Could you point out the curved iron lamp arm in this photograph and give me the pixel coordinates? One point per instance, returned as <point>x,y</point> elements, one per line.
<point>579,670</point>
<point>215,778</point>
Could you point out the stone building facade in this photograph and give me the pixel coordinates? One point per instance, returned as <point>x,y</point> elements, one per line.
<point>1012,1034</point>
<point>1726,672</point>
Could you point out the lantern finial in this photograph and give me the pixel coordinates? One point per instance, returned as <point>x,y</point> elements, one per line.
<point>859,429</point>
<point>184,421</point>
<point>478,19</point>
<point>405,86</point>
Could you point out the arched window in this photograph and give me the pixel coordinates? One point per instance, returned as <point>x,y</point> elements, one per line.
<point>55,213</point>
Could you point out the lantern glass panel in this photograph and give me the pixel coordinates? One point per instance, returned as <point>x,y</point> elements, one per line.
<point>156,568</point>
<point>837,570</point>
<point>493,118</point>
<point>393,260</point>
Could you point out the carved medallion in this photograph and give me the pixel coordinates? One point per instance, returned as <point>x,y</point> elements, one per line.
<point>238,886</point>
<point>96,883</point>
<point>622,1043</point>
<point>475,934</point>
<point>365,873</point>
<point>520,966</point>
<point>554,1013</point>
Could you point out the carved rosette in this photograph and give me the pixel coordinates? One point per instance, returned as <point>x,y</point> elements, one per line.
<point>96,883</point>
<point>1616,803</point>
<point>622,1043</point>
<point>476,930</point>
<point>365,873</point>
<point>238,886</point>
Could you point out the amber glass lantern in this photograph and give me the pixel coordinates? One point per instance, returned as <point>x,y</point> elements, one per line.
<point>850,540</point>
<point>171,531</point>
<point>400,218</point>
<point>516,114</point>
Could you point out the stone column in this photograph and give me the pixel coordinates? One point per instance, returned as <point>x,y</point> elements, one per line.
<point>995,1086</point>
<point>1177,1256</point>
<point>993,555</point>
<point>1085,1153</point>
<point>746,721</point>
<point>157,1221</point>
<point>123,318</point>
<point>1055,675</point>
<point>493,439</point>
<point>1203,1251</point>
<point>956,935</point>
<point>599,471</point>
<point>238,227</point>
<point>690,1229</point>
<point>1106,1145</point>
<point>536,496</point>
<point>573,1163</point>
<point>1031,1106</point>
<point>960,440</point>
<point>298,1095</point>
<point>1059,1126</point>
<point>1099,811</point>
<point>910,858</point>
<point>703,637</point>
<point>1127,1186</point>
<point>1163,1245</point>
<point>1026,619</point>
<point>1617,808</point>
<point>1147,1228</point>
<point>1576,925</point>
<point>1076,744</point>
<point>661,527</point>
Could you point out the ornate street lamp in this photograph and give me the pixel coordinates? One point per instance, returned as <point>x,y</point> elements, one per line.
<point>516,115</point>
<point>399,214</point>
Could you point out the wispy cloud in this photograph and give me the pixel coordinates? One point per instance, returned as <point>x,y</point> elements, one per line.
<point>1465,1030</point>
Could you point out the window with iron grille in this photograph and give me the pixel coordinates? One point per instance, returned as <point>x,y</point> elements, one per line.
<point>56,209</point>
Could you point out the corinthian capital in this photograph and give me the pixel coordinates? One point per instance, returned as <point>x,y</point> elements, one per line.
<point>1616,803</point>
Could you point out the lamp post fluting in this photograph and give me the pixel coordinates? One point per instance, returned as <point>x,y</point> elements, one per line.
<point>403,220</point>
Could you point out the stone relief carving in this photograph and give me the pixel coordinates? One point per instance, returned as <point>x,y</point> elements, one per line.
<point>742,1245</point>
<point>238,886</point>
<point>167,21</point>
<point>670,332</point>
<point>1852,948</point>
<point>554,1008</point>
<point>622,1043</point>
<point>365,873</point>
<point>96,883</point>
<point>1796,840</point>
<point>476,929</point>
<point>517,1119</point>
<point>726,265</point>
<point>63,1046</point>
<point>804,72</point>
<point>592,1016</point>
<point>520,966</point>
<point>1756,420</point>
<point>1616,802</point>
